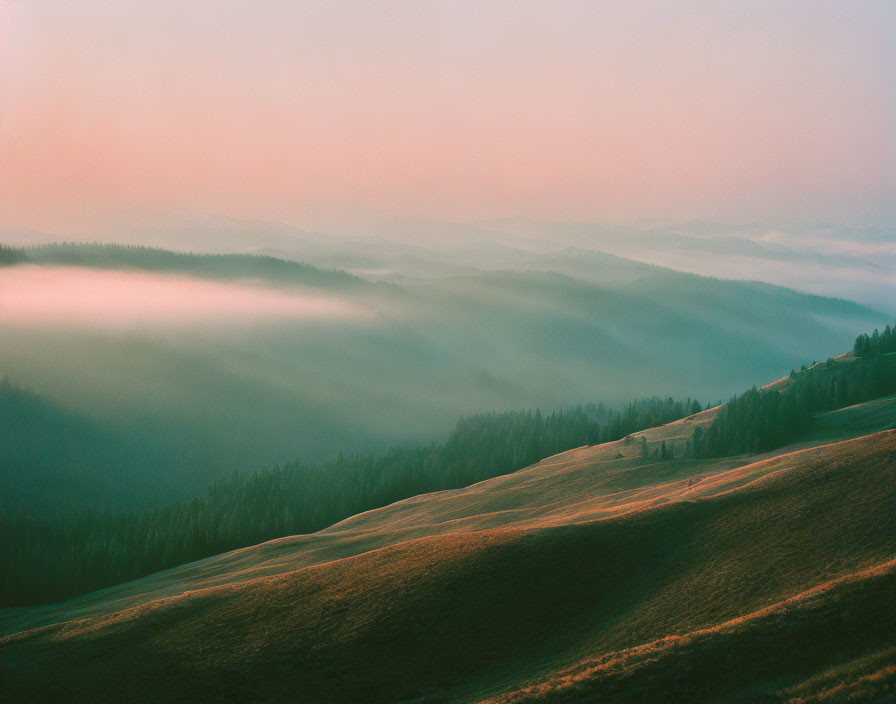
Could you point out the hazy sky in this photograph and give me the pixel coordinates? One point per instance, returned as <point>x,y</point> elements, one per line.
<point>736,110</point>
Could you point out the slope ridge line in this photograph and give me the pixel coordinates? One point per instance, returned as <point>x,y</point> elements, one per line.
<point>650,652</point>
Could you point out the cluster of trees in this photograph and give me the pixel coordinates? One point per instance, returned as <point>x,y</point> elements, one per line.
<point>754,422</point>
<point>52,558</point>
<point>11,255</point>
<point>663,452</point>
<point>875,344</point>
<point>761,420</point>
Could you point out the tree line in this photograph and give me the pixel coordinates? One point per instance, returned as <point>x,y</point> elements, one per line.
<point>875,344</point>
<point>217,266</point>
<point>12,255</point>
<point>763,419</point>
<point>60,556</point>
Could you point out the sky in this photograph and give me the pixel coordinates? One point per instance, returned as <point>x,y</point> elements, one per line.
<point>736,110</point>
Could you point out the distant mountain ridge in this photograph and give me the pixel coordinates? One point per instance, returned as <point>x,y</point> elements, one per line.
<point>213,266</point>
<point>849,262</point>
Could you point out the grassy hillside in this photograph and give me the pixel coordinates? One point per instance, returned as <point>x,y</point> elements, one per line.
<point>62,555</point>
<point>749,578</point>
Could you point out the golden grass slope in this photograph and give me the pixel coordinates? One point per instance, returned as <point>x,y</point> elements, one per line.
<point>586,575</point>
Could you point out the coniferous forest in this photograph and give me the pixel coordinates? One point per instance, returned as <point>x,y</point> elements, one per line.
<point>875,344</point>
<point>760,420</point>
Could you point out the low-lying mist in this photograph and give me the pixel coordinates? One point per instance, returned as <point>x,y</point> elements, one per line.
<point>82,297</point>
<point>206,365</point>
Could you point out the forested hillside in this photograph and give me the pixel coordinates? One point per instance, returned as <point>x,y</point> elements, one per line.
<point>875,344</point>
<point>762,419</point>
<point>52,557</point>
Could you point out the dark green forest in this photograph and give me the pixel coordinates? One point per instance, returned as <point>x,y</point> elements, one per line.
<point>760,420</point>
<point>49,558</point>
<point>875,344</point>
<point>11,255</point>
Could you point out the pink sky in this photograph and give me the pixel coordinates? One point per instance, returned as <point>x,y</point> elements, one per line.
<point>738,110</point>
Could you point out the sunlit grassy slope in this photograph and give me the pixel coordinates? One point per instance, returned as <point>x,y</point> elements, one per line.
<point>586,575</point>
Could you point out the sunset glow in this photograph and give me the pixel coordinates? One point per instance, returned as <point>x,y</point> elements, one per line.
<point>741,110</point>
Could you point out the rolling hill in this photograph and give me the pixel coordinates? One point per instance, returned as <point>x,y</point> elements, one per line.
<point>591,575</point>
